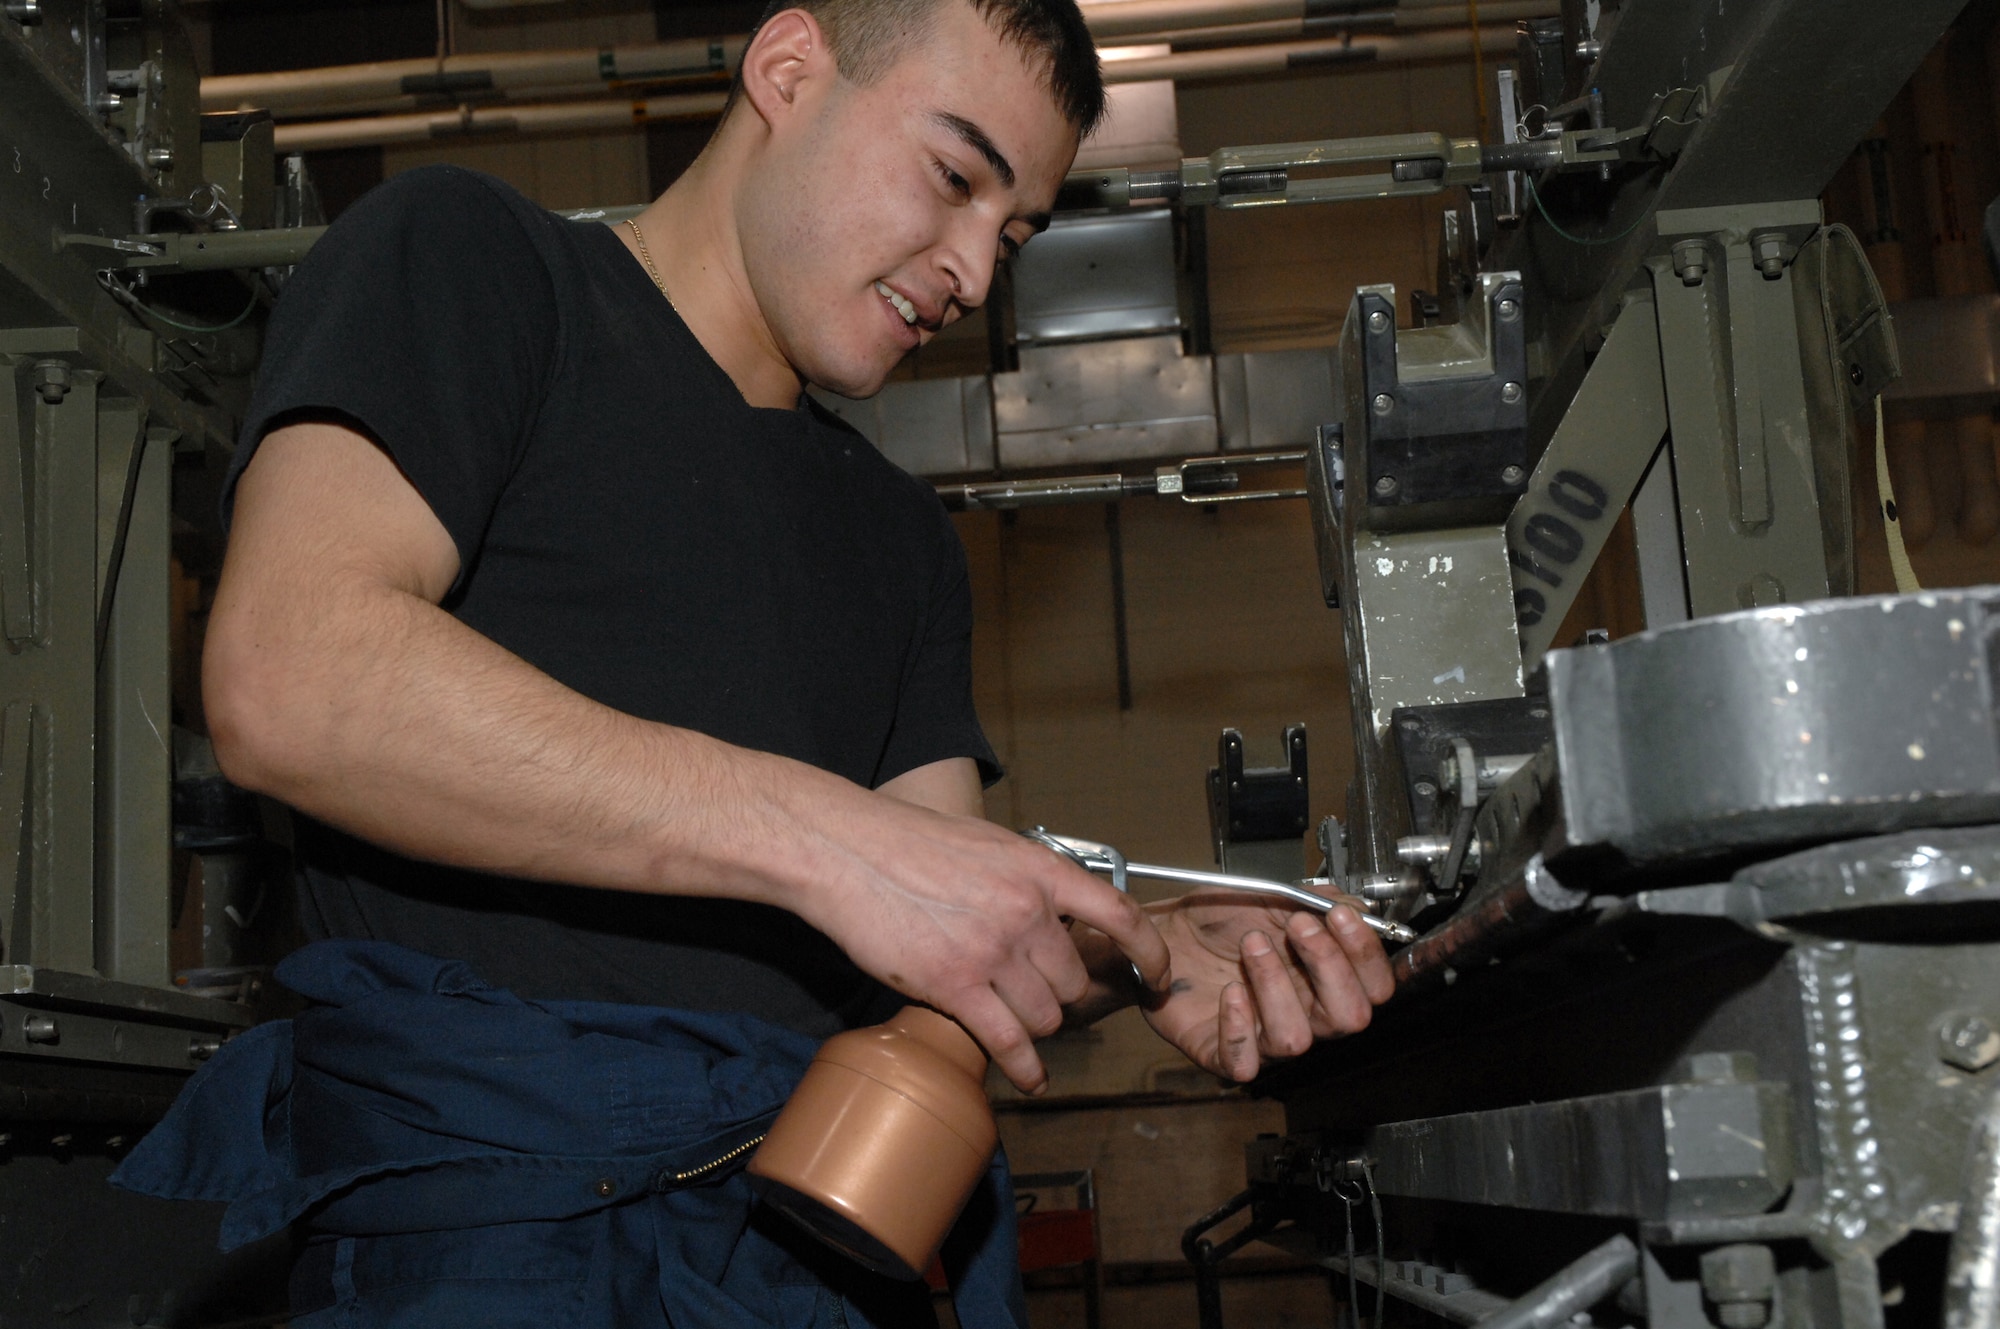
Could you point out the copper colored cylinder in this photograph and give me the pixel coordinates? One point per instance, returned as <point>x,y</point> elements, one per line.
<point>882,1143</point>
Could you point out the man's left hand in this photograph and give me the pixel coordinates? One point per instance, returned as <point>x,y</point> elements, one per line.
<point>1252,983</point>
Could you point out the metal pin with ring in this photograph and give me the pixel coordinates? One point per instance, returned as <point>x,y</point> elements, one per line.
<point>1105,861</point>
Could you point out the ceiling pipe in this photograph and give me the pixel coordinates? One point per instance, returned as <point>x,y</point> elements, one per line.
<point>1127,17</point>
<point>486,121</point>
<point>1498,14</point>
<point>1276,57</point>
<point>409,85</point>
<point>401,82</point>
<point>480,121</point>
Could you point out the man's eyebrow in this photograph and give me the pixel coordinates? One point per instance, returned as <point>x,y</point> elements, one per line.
<point>975,138</point>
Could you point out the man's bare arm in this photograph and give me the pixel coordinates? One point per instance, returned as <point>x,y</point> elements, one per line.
<point>950,786</point>
<point>334,682</point>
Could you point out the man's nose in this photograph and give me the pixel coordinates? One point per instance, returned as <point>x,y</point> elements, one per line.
<point>966,263</point>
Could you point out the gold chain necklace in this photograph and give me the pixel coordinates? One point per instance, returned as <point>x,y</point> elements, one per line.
<point>647,258</point>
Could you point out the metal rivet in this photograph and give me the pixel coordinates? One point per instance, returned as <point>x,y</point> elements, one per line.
<point>607,1188</point>
<point>1510,393</point>
<point>62,1141</point>
<point>41,1029</point>
<point>1856,375</point>
<point>1378,322</point>
<point>1384,403</point>
<point>1512,475</point>
<point>1510,310</point>
<point>1386,486</point>
<point>1425,789</point>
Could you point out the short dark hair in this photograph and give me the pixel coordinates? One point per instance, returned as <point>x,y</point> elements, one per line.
<point>868,36</point>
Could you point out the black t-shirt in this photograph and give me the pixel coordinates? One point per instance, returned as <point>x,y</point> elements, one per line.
<point>628,524</point>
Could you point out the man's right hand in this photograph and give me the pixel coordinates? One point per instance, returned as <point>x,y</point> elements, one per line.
<point>972,919</point>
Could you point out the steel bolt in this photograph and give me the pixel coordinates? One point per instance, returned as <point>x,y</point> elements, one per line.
<point>1386,487</point>
<point>160,159</point>
<point>1741,1281</point>
<point>41,1029</point>
<point>1384,403</point>
<point>1510,393</point>
<point>52,381</point>
<point>1588,50</point>
<point>1511,475</point>
<point>1425,789</point>
<point>1509,310</point>
<point>1378,322</point>
<point>25,12</point>
<point>201,1049</point>
<point>1691,262</point>
<point>1770,254</point>
<point>1969,1042</point>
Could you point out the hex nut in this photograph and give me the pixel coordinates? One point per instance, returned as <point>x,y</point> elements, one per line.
<point>1770,254</point>
<point>1740,1280</point>
<point>52,381</point>
<point>1387,486</point>
<point>1968,1041</point>
<point>1691,262</point>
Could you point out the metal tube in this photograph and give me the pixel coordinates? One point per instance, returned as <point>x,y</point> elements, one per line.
<point>482,73</point>
<point>1227,881</point>
<point>1972,1271</point>
<point>1002,494</point>
<point>1486,922</point>
<point>468,121</point>
<point>597,114</point>
<point>1398,19</point>
<point>1236,61</point>
<point>1577,1287</point>
<point>389,85</point>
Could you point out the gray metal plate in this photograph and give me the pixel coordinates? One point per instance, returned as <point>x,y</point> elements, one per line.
<point>1773,726</point>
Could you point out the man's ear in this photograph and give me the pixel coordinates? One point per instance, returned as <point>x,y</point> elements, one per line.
<point>788,54</point>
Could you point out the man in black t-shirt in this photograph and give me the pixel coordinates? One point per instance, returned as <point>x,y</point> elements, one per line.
<point>593,655</point>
